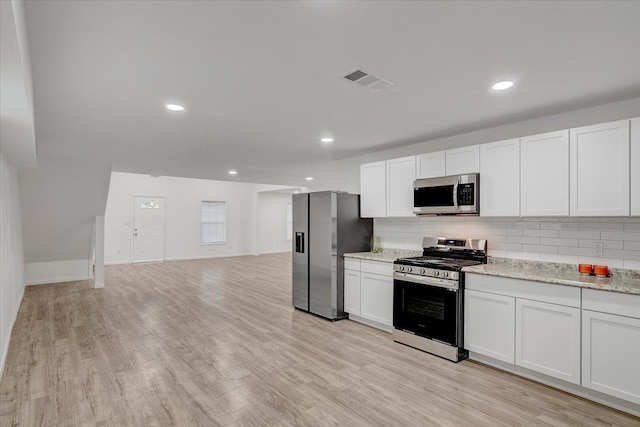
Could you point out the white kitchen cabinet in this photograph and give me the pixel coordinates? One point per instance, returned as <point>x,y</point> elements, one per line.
<point>635,166</point>
<point>544,174</point>
<point>368,295</point>
<point>431,165</point>
<point>500,178</point>
<point>373,181</point>
<point>400,176</point>
<point>377,298</point>
<point>376,293</point>
<point>611,354</point>
<point>463,160</point>
<point>457,161</point>
<point>599,166</point>
<point>489,324</point>
<point>611,343</point>
<point>352,290</point>
<point>548,339</point>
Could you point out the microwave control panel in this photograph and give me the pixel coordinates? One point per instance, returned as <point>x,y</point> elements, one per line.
<point>466,194</point>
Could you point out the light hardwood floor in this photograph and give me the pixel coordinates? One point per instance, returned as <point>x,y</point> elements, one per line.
<point>216,342</point>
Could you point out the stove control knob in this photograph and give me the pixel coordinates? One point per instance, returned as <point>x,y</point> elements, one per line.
<point>409,269</point>
<point>436,273</point>
<point>401,268</point>
<point>422,271</point>
<point>445,274</point>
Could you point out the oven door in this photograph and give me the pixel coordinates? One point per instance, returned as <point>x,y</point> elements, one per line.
<point>428,311</point>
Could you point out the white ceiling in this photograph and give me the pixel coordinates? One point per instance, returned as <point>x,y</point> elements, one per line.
<point>261,81</point>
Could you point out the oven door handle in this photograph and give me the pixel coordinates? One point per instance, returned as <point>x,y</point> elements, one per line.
<point>429,281</point>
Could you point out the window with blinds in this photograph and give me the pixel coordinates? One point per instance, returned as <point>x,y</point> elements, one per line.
<point>214,222</point>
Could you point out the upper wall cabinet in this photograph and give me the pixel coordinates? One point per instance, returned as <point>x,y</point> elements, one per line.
<point>463,160</point>
<point>635,166</point>
<point>544,174</point>
<point>386,188</point>
<point>599,166</point>
<point>373,182</point>
<point>431,165</point>
<point>450,162</point>
<point>400,176</point>
<point>500,178</point>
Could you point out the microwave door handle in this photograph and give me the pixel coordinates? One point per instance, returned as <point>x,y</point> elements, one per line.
<point>455,194</point>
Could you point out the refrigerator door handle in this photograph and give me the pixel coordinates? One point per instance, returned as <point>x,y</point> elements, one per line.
<point>299,242</point>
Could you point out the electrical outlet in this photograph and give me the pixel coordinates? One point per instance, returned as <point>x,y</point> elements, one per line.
<point>597,248</point>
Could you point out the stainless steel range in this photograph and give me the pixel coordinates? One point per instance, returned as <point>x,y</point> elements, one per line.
<point>428,295</point>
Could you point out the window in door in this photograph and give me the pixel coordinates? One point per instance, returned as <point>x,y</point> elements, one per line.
<point>213,220</point>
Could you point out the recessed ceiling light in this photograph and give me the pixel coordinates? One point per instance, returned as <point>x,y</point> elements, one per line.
<point>233,172</point>
<point>326,140</point>
<point>309,178</point>
<point>502,85</point>
<point>296,192</point>
<point>174,107</point>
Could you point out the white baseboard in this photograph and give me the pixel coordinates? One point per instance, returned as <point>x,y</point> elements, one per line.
<point>578,390</point>
<point>3,358</point>
<point>39,273</point>
<point>274,252</point>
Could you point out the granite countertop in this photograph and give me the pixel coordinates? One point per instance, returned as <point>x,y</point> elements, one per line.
<point>387,255</point>
<point>620,280</point>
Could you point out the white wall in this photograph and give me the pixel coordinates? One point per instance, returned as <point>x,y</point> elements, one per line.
<point>272,222</point>
<point>11,254</point>
<point>183,201</point>
<point>345,174</point>
<point>565,240</point>
<point>60,200</point>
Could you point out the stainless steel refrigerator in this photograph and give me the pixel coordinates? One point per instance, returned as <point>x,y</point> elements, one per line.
<point>326,225</point>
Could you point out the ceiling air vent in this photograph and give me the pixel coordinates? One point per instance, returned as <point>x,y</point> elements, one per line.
<point>368,81</point>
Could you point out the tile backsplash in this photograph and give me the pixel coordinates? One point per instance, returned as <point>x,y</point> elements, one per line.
<point>564,240</point>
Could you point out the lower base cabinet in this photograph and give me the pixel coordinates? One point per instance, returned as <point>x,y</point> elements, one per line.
<point>368,294</point>
<point>352,291</point>
<point>377,298</point>
<point>523,323</point>
<point>588,338</point>
<point>548,339</point>
<point>611,354</point>
<point>489,324</point>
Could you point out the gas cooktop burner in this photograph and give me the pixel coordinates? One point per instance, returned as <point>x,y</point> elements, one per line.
<point>446,254</point>
<point>441,263</point>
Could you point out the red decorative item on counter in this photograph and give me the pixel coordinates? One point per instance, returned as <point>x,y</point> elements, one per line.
<point>585,268</point>
<point>601,270</point>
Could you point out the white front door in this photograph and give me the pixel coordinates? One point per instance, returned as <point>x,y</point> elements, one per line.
<point>148,229</point>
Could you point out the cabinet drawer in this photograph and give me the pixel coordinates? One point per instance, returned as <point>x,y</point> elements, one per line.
<point>352,264</point>
<point>375,267</point>
<point>537,291</point>
<point>611,302</point>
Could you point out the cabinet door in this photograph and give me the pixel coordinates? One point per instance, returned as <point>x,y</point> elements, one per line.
<point>500,178</point>
<point>430,165</point>
<point>463,160</point>
<point>372,190</point>
<point>599,165</point>
<point>544,174</point>
<point>548,339</point>
<point>400,176</point>
<point>376,298</point>
<point>635,166</point>
<point>352,292</point>
<point>611,354</point>
<point>489,324</point>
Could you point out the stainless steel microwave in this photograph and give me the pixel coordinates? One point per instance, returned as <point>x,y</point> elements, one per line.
<point>447,195</point>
